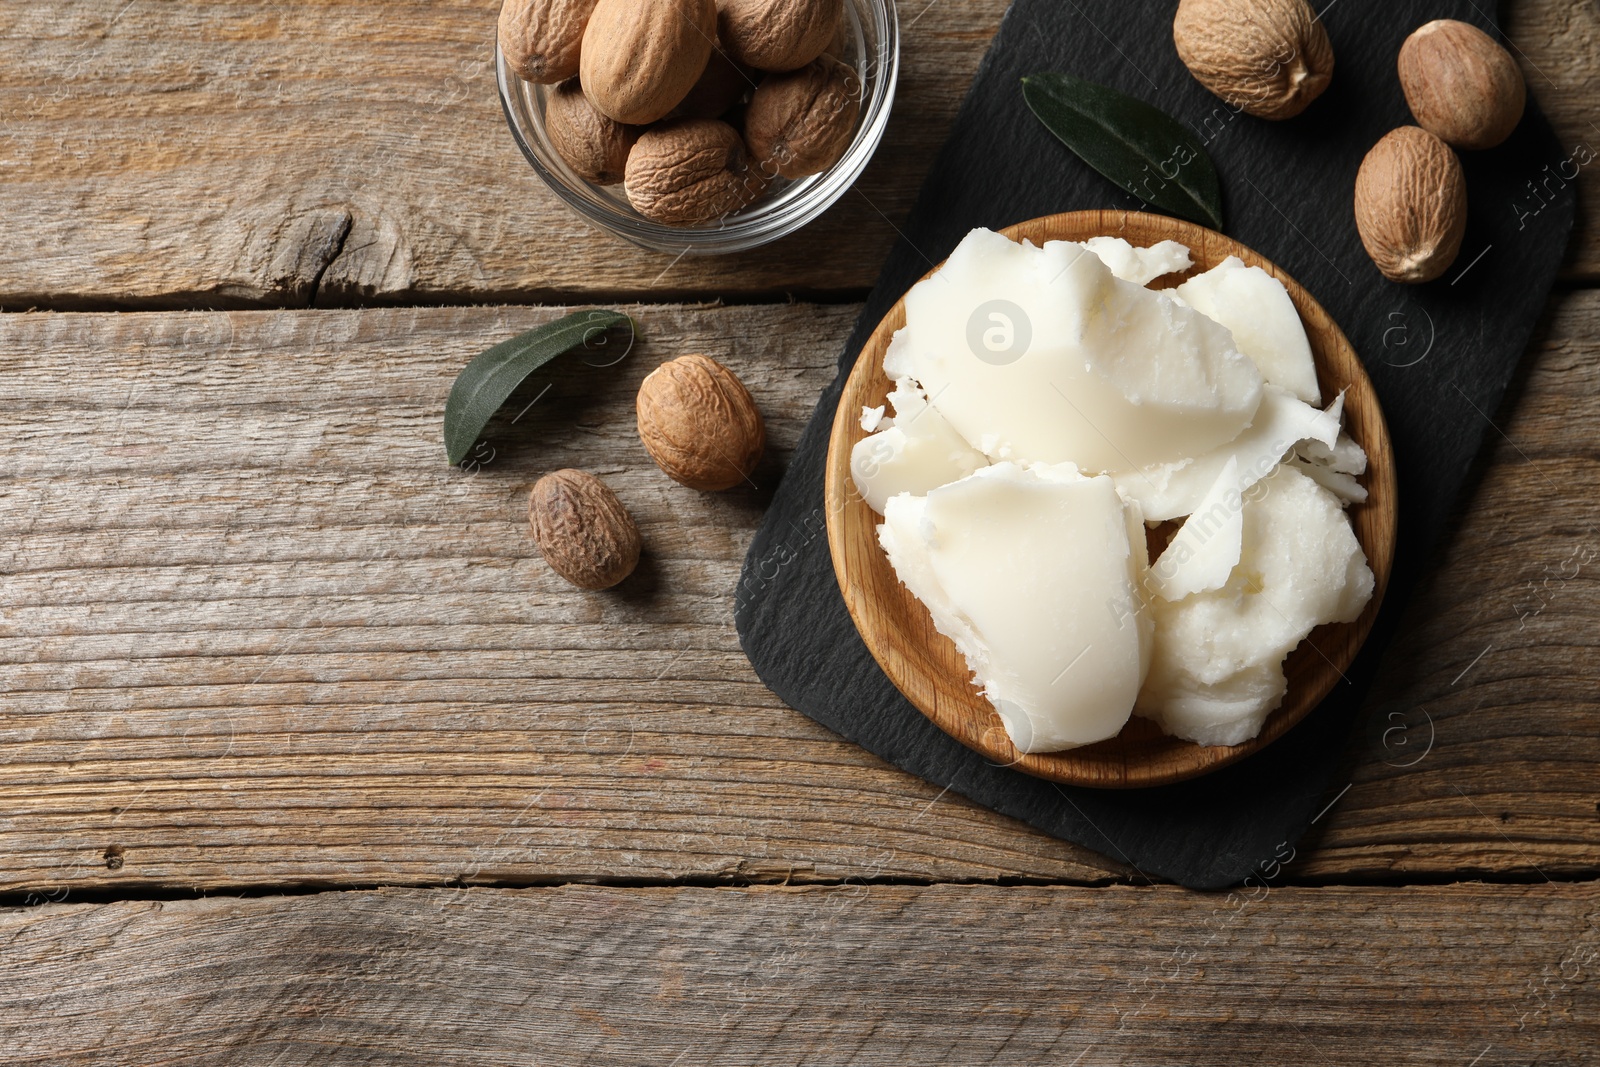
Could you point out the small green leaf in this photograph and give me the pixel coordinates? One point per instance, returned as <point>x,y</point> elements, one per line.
<point>1141,148</point>
<point>485,383</point>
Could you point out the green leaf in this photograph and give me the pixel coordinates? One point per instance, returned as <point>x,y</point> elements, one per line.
<point>485,383</point>
<point>1140,148</point>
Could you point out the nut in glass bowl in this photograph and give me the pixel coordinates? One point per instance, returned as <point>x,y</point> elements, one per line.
<point>755,203</point>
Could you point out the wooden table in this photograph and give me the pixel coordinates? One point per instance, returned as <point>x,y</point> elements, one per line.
<point>306,757</point>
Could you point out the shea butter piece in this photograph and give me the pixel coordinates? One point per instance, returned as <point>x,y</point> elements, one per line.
<point>1345,487</point>
<point>1217,667</point>
<point>1206,548</point>
<point>1257,310</point>
<point>1227,712</point>
<point>1141,266</point>
<point>1334,468</point>
<point>1175,490</point>
<point>1345,456</point>
<point>915,451</point>
<point>1030,573</point>
<point>1040,355</point>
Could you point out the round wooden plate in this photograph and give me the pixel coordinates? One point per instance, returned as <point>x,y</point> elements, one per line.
<point>925,664</point>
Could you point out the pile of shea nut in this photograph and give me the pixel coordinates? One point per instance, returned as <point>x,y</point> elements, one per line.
<point>1271,58</point>
<point>695,106</point>
<point>1047,406</point>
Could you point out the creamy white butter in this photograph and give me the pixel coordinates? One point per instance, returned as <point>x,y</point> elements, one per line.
<point>1032,574</point>
<point>1203,553</point>
<point>915,451</point>
<point>1217,669</point>
<point>1257,310</point>
<point>1228,711</point>
<point>1340,484</point>
<point>1141,266</point>
<point>1345,456</point>
<point>1041,355</point>
<point>1022,372</point>
<point>1176,489</point>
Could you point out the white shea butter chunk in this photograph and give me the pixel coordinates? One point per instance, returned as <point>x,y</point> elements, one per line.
<point>1346,488</point>
<point>1345,457</point>
<point>1257,310</point>
<point>1217,667</point>
<point>1226,712</point>
<point>914,452</point>
<point>1033,573</point>
<point>1141,266</point>
<point>1334,468</point>
<point>1041,355</point>
<point>1206,548</point>
<point>1176,489</point>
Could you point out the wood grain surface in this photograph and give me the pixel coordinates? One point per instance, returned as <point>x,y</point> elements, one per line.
<point>1557,45</point>
<point>254,634</point>
<point>263,152</point>
<point>257,633</point>
<point>256,153</point>
<point>933,674</point>
<point>1495,660</point>
<point>886,975</point>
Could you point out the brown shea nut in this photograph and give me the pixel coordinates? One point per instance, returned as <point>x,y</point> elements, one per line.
<point>584,532</point>
<point>594,145</point>
<point>1461,85</point>
<point>1411,205</point>
<point>641,57</point>
<point>1270,58</point>
<point>800,123</point>
<point>540,38</point>
<point>691,171</point>
<point>722,85</point>
<point>778,35</point>
<point>699,423</point>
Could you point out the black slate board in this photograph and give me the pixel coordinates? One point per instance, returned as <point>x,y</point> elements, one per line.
<point>1440,356</point>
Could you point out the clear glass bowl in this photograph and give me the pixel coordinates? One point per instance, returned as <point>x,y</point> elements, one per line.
<point>874,36</point>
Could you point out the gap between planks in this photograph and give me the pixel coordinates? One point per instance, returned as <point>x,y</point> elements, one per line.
<point>136,894</point>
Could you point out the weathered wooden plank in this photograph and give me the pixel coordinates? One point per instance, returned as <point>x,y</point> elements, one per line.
<point>244,152</point>
<point>819,975</point>
<point>1557,44</point>
<point>255,632</point>
<point>249,153</point>
<point>1494,679</point>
